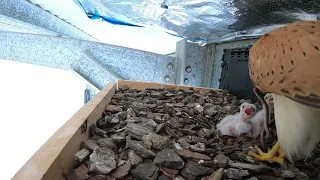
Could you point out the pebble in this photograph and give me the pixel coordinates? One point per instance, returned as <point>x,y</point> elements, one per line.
<point>193,170</point>
<point>236,173</point>
<point>103,160</point>
<point>221,160</point>
<point>169,158</point>
<point>194,155</point>
<point>146,171</point>
<point>80,173</point>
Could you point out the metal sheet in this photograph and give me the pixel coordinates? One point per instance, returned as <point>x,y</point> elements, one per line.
<point>206,21</point>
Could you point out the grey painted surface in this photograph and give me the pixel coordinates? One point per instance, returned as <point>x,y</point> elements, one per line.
<point>27,12</point>
<point>217,58</point>
<point>67,53</point>
<point>192,60</point>
<point>13,25</point>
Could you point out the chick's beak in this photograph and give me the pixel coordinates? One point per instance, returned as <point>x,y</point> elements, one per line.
<point>248,111</point>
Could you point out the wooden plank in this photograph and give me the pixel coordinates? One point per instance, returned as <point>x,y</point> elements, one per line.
<point>143,85</point>
<point>56,156</point>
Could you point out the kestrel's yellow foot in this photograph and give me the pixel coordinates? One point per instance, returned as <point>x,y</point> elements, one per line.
<point>271,155</point>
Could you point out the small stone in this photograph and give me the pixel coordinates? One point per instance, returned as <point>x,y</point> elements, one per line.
<point>134,158</point>
<point>103,122</point>
<point>120,162</point>
<point>198,108</point>
<point>109,143</point>
<point>174,123</point>
<point>227,107</point>
<point>124,88</point>
<point>80,173</point>
<point>100,177</point>
<point>266,177</point>
<point>199,147</point>
<point>101,132</point>
<point>142,113</point>
<point>195,139</point>
<point>316,162</point>
<point>121,171</point>
<point>251,167</point>
<point>114,108</point>
<point>118,138</point>
<point>179,178</point>
<point>236,173</point>
<point>169,159</point>
<point>206,163</point>
<point>164,177</point>
<point>177,146</point>
<point>211,111</point>
<point>188,132</point>
<point>179,105</point>
<point>139,106</point>
<point>82,155</point>
<point>148,123</point>
<point>248,158</point>
<point>184,143</point>
<point>169,95</point>
<point>124,155</point>
<point>193,170</point>
<point>130,113</point>
<point>194,155</point>
<point>217,175</point>
<point>298,174</point>
<point>146,171</point>
<point>205,133</point>
<point>156,141</point>
<point>288,174</point>
<point>103,160</point>
<point>169,105</point>
<point>140,149</point>
<point>91,145</point>
<point>121,115</point>
<point>115,120</point>
<point>252,178</point>
<point>159,127</point>
<point>170,172</point>
<point>221,160</point>
<point>137,130</point>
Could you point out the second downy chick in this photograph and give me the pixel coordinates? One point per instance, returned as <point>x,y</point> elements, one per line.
<point>257,120</point>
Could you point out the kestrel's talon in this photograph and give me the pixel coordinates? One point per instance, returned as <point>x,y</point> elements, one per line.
<point>270,156</point>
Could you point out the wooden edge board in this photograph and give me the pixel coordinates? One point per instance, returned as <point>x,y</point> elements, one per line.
<point>143,85</point>
<point>57,154</point>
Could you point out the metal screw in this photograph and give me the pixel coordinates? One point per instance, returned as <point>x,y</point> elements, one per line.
<point>186,81</point>
<point>167,78</point>
<point>188,69</point>
<point>170,65</point>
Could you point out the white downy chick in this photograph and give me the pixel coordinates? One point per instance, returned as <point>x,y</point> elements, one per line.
<point>269,99</point>
<point>243,128</point>
<point>257,120</point>
<point>229,124</point>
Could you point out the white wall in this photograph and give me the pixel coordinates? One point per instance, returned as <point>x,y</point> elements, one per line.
<point>35,101</point>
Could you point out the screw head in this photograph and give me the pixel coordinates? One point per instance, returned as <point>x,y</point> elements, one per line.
<point>170,65</point>
<point>167,78</point>
<point>188,69</point>
<point>186,81</point>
